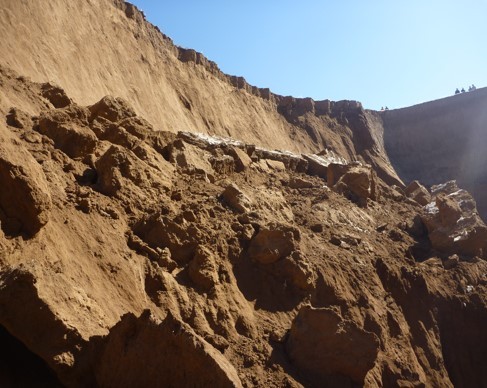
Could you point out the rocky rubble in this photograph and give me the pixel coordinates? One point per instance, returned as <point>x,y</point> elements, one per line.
<point>453,223</point>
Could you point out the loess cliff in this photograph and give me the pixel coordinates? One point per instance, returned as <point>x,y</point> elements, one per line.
<point>165,224</point>
<point>442,140</point>
<point>98,47</point>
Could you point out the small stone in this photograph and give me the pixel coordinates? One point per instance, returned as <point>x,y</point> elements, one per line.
<point>247,232</point>
<point>395,235</point>
<point>203,269</point>
<point>335,241</point>
<point>299,183</point>
<point>317,228</point>
<point>236,199</point>
<point>451,262</point>
<point>177,195</point>
<point>164,259</point>
<point>18,119</point>
<point>84,204</point>
<point>189,216</point>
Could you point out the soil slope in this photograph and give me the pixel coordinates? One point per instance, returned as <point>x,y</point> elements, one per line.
<point>151,258</point>
<point>138,248</point>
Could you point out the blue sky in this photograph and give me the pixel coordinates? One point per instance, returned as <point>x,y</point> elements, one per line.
<point>394,53</point>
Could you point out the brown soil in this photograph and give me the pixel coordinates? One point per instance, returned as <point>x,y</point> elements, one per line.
<point>134,256</point>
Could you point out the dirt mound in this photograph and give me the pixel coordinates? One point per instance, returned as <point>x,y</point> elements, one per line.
<point>249,271</point>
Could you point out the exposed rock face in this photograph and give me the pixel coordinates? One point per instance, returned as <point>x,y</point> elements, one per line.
<point>25,199</point>
<point>242,160</point>
<point>327,346</point>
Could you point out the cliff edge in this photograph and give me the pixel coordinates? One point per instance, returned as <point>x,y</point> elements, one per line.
<point>106,47</point>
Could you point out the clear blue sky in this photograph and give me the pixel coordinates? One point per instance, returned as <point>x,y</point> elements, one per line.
<point>379,52</point>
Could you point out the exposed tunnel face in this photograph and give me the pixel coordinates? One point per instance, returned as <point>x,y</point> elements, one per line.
<point>19,367</point>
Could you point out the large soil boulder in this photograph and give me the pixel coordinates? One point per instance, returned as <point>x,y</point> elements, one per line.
<point>453,223</point>
<point>297,271</point>
<point>28,315</point>
<point>224,165</point>
<point>236,198</point>
<point>69,133</point>
<point>190,158</point>
<point>145,352</point>
<point>167,230</point>
<point>25,201</point>
<point>273,242</point>
<point>19,119</point>
<point>242,160</point>
<point>324,345</point>
<point>117,133</point>
<point>112,109</point>
<point>55,95</point>
<point>418,192</point>
<point>203,269</point>
<point>355,181</point>
<point>119,168</point>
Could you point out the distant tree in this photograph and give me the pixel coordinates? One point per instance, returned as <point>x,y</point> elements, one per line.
<point>463,90</point>
<point>457,91</point>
